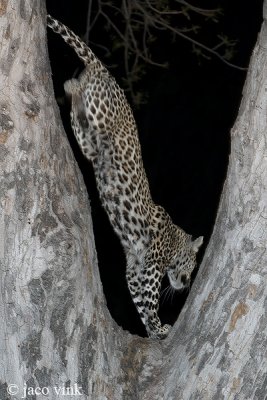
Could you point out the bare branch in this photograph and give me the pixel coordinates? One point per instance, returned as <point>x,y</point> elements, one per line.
<point>139,23</point>
<point>201,11</point>
<point>88,20</point>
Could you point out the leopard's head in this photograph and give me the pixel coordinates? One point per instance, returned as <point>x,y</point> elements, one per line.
<point>184,261</point>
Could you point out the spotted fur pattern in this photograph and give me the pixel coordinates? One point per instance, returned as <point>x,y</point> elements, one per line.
<point>105,129</point>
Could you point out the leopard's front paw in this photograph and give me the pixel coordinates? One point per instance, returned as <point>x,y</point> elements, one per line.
<point>160,333</point>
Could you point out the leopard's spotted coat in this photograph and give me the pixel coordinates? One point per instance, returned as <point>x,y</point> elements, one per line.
<point>105,129</point>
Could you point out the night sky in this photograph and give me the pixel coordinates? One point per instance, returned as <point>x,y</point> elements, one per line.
<point>184,130</point>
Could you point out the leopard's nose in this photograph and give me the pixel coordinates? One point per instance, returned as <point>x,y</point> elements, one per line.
<point>184,279</point>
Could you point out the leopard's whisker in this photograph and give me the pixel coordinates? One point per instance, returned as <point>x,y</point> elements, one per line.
<point>165,294</point>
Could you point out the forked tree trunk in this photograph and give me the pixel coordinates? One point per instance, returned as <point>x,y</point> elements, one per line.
<point>55,330</point>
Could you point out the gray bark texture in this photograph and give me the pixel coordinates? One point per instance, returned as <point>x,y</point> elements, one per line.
<point>57,339</point>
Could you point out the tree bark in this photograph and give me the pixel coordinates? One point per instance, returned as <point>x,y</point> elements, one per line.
<point>52,305</point>
<point>57,336</point>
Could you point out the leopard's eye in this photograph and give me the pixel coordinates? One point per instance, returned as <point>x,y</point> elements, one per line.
<point>172,267</point>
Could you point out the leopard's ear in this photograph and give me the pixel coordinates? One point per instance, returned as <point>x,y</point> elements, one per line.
<point>197,243</point>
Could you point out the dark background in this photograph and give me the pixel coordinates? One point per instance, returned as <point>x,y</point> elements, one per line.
<point>184,131</point>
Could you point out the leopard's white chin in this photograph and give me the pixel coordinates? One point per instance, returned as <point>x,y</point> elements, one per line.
<point>177,285</point>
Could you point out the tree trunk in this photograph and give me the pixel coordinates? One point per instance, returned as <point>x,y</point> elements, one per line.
<point>57,337</point>
<point>52,305</point>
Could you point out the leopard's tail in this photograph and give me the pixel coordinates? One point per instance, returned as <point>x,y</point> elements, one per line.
<point>82,50</point>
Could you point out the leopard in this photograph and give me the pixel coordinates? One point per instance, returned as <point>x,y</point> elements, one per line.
<point>104,126</point>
